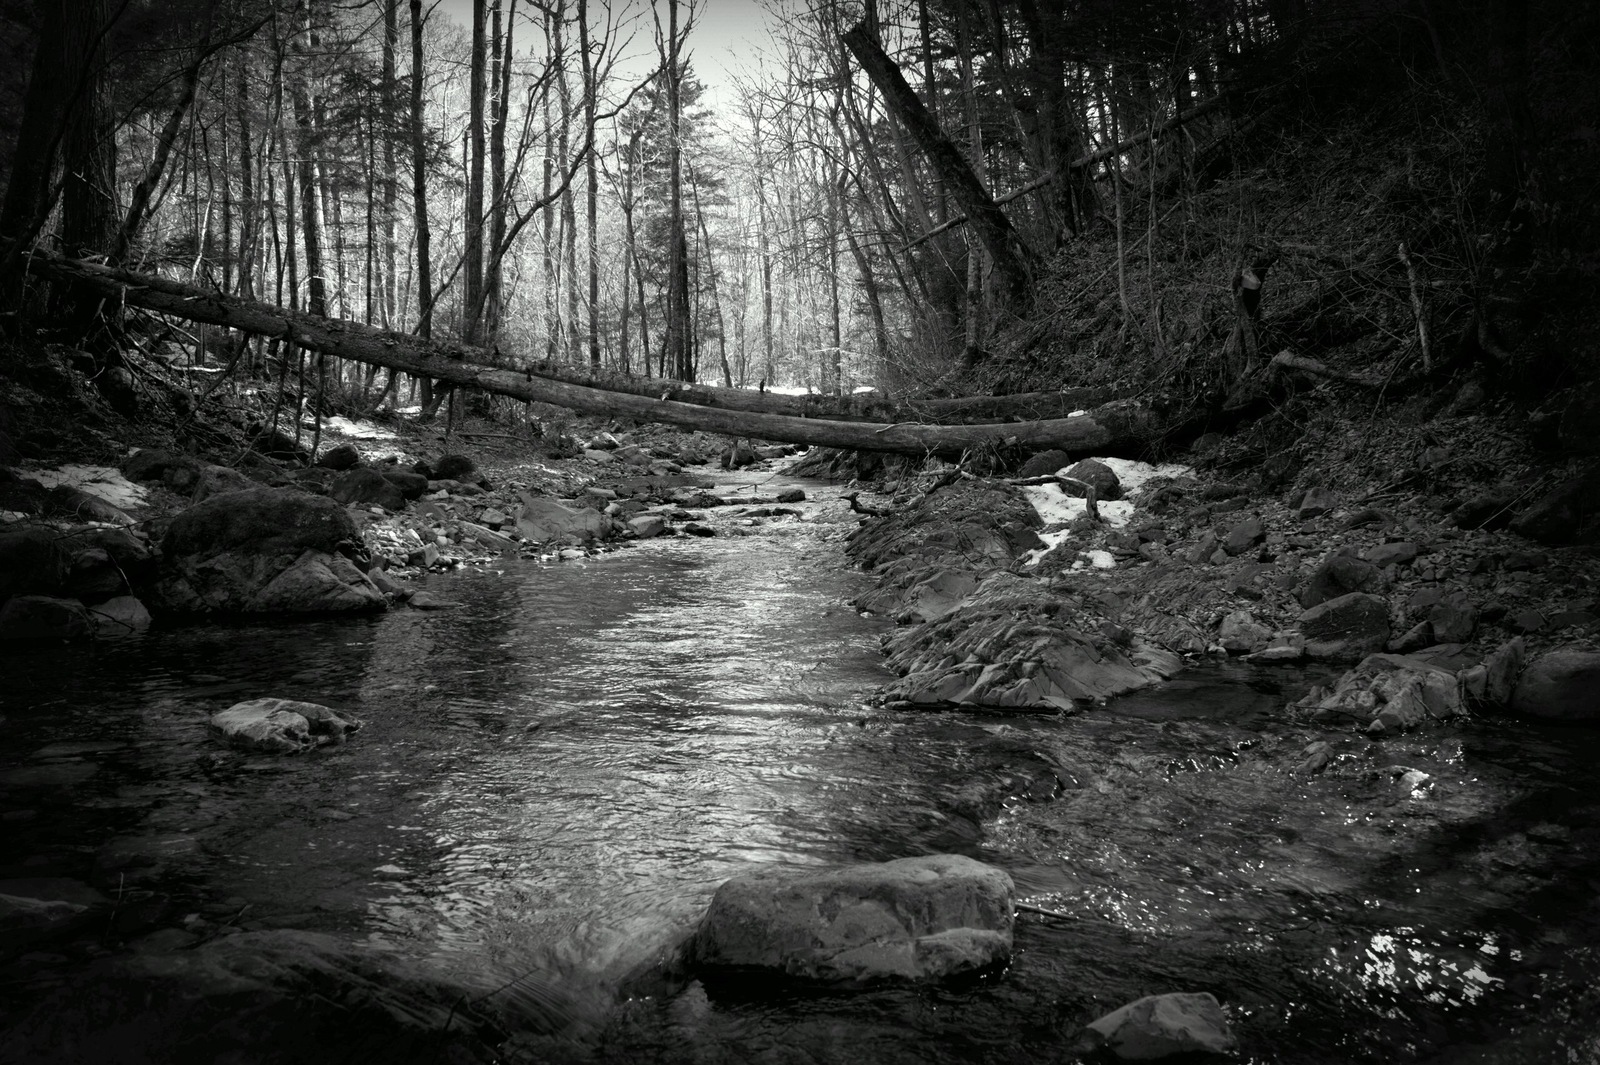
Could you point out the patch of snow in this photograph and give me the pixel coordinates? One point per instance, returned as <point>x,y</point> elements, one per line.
<point>1133,474</point>
<point>102,482</point>
<point>1055,508</point>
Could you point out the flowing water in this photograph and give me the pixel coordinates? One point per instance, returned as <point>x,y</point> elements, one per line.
<point>554,777</point>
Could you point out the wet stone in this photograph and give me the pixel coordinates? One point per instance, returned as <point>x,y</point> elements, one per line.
<point>1162,1026</point>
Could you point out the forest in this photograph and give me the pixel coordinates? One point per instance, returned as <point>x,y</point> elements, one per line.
<point>893,196</point>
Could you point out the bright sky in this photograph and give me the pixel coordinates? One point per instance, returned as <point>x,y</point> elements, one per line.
<point>726,39</point>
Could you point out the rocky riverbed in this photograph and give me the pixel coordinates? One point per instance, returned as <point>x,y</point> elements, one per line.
<point>1010,595</point>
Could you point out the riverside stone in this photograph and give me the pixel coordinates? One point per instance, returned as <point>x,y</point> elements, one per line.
<point>1395,554</point>
<point>266,550</point>
<point>120,616</point>
<point>1240,633</point>
<point>1316,502</point>
<point>43,617</point>
<point>1340,574</point>
<point>1103,478</point>
<point>342,457</point>
<point>412,485</point>
<point>1454,619</point>
<point>365,486</point>
<point>220,480</point>
<point>647,525</point>
<point>911,919</point>
<point>1245,535</point>
<point>453,467</point>
<point>1346,628</point>
<point>1161,1026</point>
<point>1044,463</point>
<point>544,520</point>
<point>1560,686</point>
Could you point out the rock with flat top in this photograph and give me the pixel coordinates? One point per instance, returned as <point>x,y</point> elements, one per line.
<point>912,919</point>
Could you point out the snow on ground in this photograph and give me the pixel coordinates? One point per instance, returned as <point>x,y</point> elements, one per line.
<point>1056,509</point>
<point>102,482</point>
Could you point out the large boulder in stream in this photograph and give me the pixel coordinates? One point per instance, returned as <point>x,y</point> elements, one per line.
<point>912,919</point>
<point>266,550</point>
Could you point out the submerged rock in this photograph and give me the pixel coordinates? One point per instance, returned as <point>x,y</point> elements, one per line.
<point>282,725</point>
<point>1161,1026</point>
<point>911,919</point>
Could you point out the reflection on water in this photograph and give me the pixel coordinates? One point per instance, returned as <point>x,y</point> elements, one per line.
<point>555,777</point>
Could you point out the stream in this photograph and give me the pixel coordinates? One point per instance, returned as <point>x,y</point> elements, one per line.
<point>554,777</point>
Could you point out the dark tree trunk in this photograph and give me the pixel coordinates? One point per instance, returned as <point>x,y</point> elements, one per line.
<point>1012,259</point>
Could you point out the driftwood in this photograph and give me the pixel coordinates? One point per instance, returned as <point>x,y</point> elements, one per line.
<point>1112,428</point>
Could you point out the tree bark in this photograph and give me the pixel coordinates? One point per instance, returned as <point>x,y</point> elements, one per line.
<point>1013,260</point>
<point>306,148</point>
<point>1111,429</point>
<point>472,304</point>
<point>419,179</point>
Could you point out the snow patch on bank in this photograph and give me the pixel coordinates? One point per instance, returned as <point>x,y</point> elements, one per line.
<point>1057,509</point>
<point>102,482</point>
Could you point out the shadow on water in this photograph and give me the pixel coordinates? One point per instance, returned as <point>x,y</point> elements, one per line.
<point>553,778</point>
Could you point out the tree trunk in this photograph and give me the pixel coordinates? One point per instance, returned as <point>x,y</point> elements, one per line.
<point>1112,429</point>
<point>592,195</point>
<point>677,349</point>
<point>419,180</point>
<point>390,281</point>
<point>139,204</point>
<point>472,302</point>
<point>1012,259</point>
<point>305,148</point>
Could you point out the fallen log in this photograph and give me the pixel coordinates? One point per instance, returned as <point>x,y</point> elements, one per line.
<point>860,407</point>
<point>1112,428</point>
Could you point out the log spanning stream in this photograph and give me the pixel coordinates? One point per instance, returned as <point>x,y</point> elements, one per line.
<point>554,777</point>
